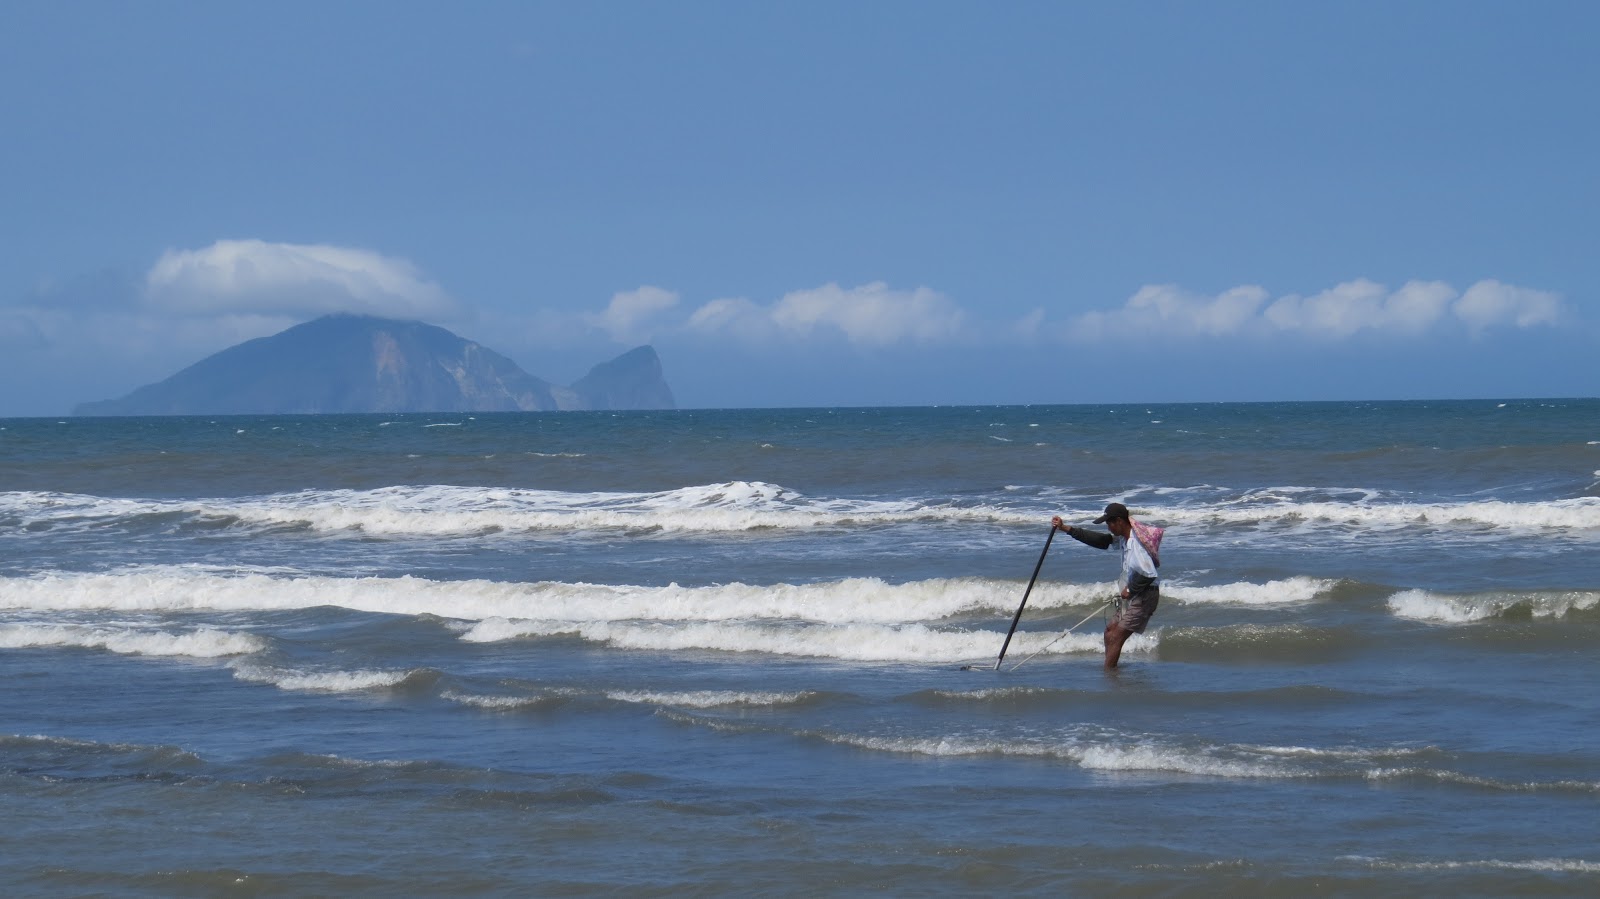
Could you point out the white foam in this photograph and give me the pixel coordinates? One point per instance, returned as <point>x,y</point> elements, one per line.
<point>184,588</point>
<point>1457,777</point>
<point>494,703</point>
<point>1281,505</point>
<point>858,618</point>
<point>1108,751</point>
<point>1346,753</point>
<point>1150,757</point>
<point>951,746</point>
<point>1539,865</point>
<point>994,693</point>
<point>706,699</point>
<point>322,681</point>
<point>850,642</point>
<point>741,506</point>
<point>1096,755</point>
<point>1424,605</point>
<point>1289,590</point>
<point>171,754</point>
<point>203,643</point>
<point>451,510</point>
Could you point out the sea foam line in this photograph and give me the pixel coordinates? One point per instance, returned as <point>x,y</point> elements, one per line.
<point>1573,514</point>
<point>445,510</point>
<point>1538,865</point>
<point>1127,757</point>
<point>203,643</point>
<point>498,703</point>
<point>1280,592</point>
<point>846,642</point>
<point>1108,750</point>
<point>709,699</point>
<point>1092,748</point>
<point>179,588</point>
<point>324,681</point>
<point>743,506</point>
<point>1425,605</point>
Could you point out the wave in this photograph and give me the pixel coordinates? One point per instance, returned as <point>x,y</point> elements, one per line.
<point>1572,514</point>
<point>43,749</point>
<point>192,588</point>
<point>1251,643</point>
<point>332,681</point>
<point>689,699</point>
<point>944,620</point>
<point>1111,751</point>
<point>753,506</point>
<point>1091,747</point>
<point>202,643</point>
<point>444,511</point>
<point>1299,697</point>
<point>1288,590</point>
<point>1425,605</point>
<point>1488,783</point>
<point>1538,865</point>
<point>501,703</point>
<point>1111,757</point>
<point>707,699</point>
<point>846,642</point>
<point>58,761</point>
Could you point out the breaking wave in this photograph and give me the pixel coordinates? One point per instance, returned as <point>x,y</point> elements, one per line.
<point>1424,605</point>
<point>203,643</point>
<point>202,588</point>
<point>329,681</point>
<point>742,506</point>
<point>848,642</point>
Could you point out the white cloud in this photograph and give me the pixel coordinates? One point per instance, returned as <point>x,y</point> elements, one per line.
<point>1335,314</point>
<point>1489,303</point>
<point>255,277</point>
<point>737,317</point>
<point>630,316</point>
<point>1362,305</point>
<point>1028,326</point>
<point>872,314</point>
<point>1169,309</point>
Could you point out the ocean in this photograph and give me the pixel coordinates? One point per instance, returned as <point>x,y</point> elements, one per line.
<point>721,653</point>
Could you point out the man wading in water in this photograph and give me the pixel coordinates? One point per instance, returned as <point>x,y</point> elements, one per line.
<point>1141,556</point>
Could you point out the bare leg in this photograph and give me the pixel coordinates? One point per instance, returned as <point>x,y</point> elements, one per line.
<point>1116,635</point>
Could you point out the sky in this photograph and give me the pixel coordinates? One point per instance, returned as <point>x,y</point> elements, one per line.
<point>900,202</point>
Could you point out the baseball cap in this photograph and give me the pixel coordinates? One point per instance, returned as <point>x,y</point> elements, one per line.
<point>1114,510</point>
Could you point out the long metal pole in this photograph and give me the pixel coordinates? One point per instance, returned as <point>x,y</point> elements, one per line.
<point>1018,617</point>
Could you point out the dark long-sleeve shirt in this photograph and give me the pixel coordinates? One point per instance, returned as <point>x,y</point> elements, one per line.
<point>1138,569</point>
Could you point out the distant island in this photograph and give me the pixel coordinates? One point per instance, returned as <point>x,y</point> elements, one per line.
<point>360,363</point>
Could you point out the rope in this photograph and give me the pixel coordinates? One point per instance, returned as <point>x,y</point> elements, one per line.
<point>1066,632</point>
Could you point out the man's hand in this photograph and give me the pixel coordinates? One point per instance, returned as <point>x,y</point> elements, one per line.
<point>1060,525</point>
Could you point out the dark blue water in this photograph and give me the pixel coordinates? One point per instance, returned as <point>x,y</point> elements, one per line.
<point>720,652</point>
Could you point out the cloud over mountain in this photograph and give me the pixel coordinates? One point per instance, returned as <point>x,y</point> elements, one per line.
<point>296,280</point>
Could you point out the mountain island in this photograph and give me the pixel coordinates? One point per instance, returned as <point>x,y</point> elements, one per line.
<point>359,363</point>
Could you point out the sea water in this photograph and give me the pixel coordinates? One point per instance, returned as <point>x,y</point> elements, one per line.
<point>721,652</point>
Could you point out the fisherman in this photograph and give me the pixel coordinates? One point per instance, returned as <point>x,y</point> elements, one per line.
<point>1140,587</point>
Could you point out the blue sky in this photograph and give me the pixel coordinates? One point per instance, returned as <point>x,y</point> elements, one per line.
<point>818,203</point>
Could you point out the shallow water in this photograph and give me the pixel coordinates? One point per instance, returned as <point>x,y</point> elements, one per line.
<point>720,652</point>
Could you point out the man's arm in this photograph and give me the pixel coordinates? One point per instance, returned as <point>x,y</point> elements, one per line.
<point>1092,538</point>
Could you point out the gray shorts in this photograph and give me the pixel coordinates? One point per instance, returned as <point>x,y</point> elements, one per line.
<point>1135,611</point>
